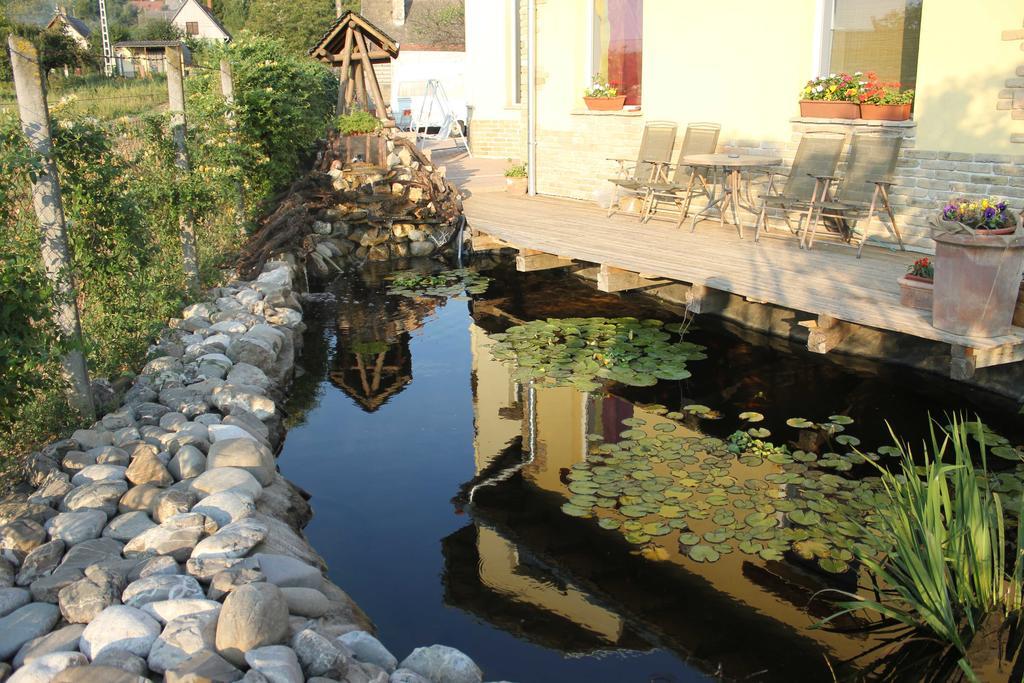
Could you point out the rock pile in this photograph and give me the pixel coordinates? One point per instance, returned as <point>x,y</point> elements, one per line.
<point>349,211</point>
<point>161,542</point>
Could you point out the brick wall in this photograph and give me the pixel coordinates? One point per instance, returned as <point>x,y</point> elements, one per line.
<point>575,164</point>
<point>498,138</point>
<point>1011,97</point>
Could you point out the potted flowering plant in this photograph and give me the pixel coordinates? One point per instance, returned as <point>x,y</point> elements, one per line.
<point>917,285</point>
<point>836,96</point>
<point>981,249</point>
<point>884,101</point>
<point>515,179</point>
<point>602,96</point>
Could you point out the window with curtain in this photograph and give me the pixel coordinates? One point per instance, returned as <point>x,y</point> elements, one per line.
<point>876,35</point>
<point>618,45</point>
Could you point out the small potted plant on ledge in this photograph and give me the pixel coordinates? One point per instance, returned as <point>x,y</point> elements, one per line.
<point>881,101</point>
<point>601,96</point>
<point>917,285</point>
<point>515,179</point>
<point>836,96</point>
<point>980,249</point>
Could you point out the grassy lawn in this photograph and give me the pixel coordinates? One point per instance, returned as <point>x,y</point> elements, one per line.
<point>96,95</point>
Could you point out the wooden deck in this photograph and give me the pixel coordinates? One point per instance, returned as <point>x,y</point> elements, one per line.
<point>828,281</point>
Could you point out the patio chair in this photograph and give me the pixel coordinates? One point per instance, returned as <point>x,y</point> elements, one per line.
<point>651,161</point>
<point>686,181</point>
<point>862,191</point>
<point>817,156</point>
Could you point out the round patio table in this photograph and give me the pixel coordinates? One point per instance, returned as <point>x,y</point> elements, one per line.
<point>732,168</point>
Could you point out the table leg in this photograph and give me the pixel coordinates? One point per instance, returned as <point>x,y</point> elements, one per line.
<point>734,178</point>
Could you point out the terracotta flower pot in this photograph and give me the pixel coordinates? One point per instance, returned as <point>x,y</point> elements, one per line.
<point>1018,313</point>
<point>515,185</point>
<point>605,103</point>
<point>916,292</point>
<point>885,112</point>
<point>829,110</point>
<point>978,283</point>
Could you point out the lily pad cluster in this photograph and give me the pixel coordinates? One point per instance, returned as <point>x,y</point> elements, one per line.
<point>709,497</point>
<point>581,352</point>
<point>447,283</point>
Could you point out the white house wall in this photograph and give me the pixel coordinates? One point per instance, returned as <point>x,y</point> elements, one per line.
<point>208,29</point>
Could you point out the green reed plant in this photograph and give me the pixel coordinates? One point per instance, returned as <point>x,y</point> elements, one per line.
<point>939,552</point>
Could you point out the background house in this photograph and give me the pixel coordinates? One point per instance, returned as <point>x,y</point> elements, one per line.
<point>74,27</point>
<point>431,38</point>
<point>743,64</point>
<point>145,58</point>
<point>196,21</point>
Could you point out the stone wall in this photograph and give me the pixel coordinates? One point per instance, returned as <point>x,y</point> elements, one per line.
<point>162,541</point>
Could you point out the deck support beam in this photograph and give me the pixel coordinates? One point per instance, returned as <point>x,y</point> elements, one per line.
<point>611,279</point>
<point>825,333</point>
<point>704,299</point>
<point>965,359</point>
<point>530,259</point>
<point>481,241</point>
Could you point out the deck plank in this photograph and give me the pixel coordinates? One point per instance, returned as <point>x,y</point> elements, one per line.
<point>827,280</point>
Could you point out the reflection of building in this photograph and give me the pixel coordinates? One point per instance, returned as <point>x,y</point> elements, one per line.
<point>373,361</point>
<point>533,560</point>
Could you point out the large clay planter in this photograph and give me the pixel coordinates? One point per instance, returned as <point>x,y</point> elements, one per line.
<point>885,112</point>
<point>1018,313</point>
<point>605,103</point>
<point>515,185</point>
<point>977,282</point>
<point>829,110</point>
<point>916,292</point>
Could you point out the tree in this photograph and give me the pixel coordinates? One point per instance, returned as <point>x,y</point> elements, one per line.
<point>441,24</point>
<point>57,49</point>
<point>298,24</point>
<point>156,29</point>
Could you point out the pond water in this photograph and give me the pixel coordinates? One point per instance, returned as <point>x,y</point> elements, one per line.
<point>460,503</point>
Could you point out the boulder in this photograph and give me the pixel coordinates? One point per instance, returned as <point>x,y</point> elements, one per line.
<point>19,537</point>
<point>187,463</point>
<point>94,473</point>
<point>48,588</point>
<point>62,640</point>
<point>125,661</point>
<point>168,610</point>
<point>175,537</point>
<point>83,600</point>
<point>285,571</point>
<point>161,587</point>
<point>24,624</point>
<point>277,663</point>
<point>246,454</point>
<point>407,676</point>
<point>231,541</point>
<point>181,638</point>
<point>97,673</point>
<point>34,511</point>
<point>127,526</point>
<point>244,373</point>
<point>443,664</point>
<point>91,438</point>
<point>45,668</point>
<point>139,499</point>
<point>226,507</point>
<point>148,469</point>
<point>91,552</point>
<point>75,527</point>
<point>321,657</point>
<point>230,397</point>
<point>111,455</point>
<point>172,502</point>
<point>253,615</point>
<point>306,602</point>
<point>13,598</point>
<point>102,495</point>
<point>52,489</point>
<point>121,628</point>
<point>366,648</point>
<point>203,667</point>
<point>227,580</point>
<point>157,565</point>
<point>227,479</point>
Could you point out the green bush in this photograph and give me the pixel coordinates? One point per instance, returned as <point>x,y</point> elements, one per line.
<point>357,122</point>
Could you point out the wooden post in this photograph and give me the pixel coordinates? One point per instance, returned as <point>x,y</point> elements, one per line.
<point>176,104</point>
<point>46,199</point>
<point>371,78</point>
<point>227,88</point>
<point>360,79</point>
<point>344,78</point>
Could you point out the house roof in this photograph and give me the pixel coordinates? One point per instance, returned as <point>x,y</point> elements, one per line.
<point>76,24</point>
<point>207,12</point>
<point>330,42</point>
<point>148,43</point>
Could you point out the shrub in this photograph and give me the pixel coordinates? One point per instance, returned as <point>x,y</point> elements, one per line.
<point>516,171</point>
<point>357,122</point>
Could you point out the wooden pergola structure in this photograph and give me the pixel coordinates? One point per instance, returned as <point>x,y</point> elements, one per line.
<point>354,45</point>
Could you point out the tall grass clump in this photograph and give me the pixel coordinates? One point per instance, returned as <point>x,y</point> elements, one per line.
<point>938,552</point>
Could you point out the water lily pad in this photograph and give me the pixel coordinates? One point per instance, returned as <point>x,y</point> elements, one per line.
<point>833,565</point>
<point>848,440</point>
<point>576,511</point>
<point>689,538</point>
<point>804,517</point>
<point>841,419</point>
<point>751,416</point>
<point>703,553</point>
<point>609,523</point>
<point>637,537</point>
<point>633,511</point>
<point>697,409</point>
<point>799,423</point>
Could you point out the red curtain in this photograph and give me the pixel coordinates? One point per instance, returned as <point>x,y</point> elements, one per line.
<point>625,47</point>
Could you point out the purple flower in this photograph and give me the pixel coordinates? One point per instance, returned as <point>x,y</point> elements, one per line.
<point>990,212</point>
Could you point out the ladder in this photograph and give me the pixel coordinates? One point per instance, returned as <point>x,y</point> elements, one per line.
<point>108,54</point>
<point>435,100</point>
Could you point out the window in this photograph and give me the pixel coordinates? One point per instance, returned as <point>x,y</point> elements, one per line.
<point>875,35</point>
<point>618,45</point>
<point>192,28</point>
